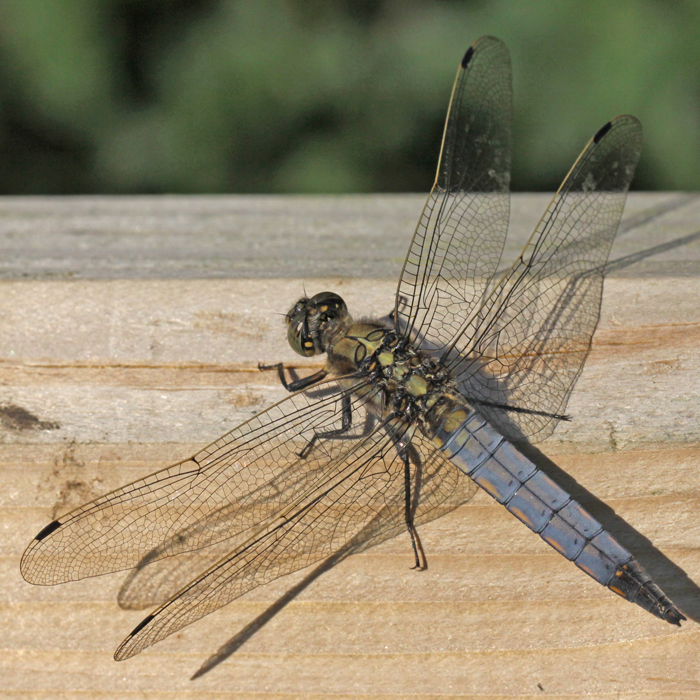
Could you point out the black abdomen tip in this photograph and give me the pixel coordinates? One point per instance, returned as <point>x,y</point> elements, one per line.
<point>467,57</point>
<point>674,615</point>
<point>48,530</point>
<point>602,131</point>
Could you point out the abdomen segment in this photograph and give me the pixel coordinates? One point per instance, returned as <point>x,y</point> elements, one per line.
<point>532,497</point>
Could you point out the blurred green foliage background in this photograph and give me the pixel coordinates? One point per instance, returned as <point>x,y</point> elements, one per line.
<point>151,96</point>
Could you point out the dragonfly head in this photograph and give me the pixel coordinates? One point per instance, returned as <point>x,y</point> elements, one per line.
<point>311,323</point>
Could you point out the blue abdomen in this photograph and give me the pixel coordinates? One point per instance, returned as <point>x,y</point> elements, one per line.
<point>531,496</point>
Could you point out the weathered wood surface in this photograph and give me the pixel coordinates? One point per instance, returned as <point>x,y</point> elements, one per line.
<point>131,332</point>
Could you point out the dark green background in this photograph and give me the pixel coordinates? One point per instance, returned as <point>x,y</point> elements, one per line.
<point>151,96</point>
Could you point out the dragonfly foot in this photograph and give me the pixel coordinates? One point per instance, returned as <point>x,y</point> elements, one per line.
<point>418,551</point>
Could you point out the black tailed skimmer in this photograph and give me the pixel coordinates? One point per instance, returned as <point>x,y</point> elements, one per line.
<point>381,439</point>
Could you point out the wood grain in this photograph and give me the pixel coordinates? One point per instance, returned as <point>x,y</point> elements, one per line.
<point>131,333</point>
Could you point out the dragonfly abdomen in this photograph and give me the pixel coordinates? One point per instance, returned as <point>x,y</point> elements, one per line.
<point>532,497</point>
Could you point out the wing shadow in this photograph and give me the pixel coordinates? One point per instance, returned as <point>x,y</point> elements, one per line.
<point>633,258</point>
<point>653,213</point>
<point>486,391</point>
<point>240,638</point>
<point>158,577</point>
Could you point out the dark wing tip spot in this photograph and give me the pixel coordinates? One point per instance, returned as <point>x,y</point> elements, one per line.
<point>467,57</point>
<point>48,530</point>
<point>602,131</point>
<point>141,625</point>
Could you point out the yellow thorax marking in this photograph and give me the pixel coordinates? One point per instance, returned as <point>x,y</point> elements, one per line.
<point>416,385</point>
<point>385,358</point>
<point>400,370</point>
<point>370,346</point>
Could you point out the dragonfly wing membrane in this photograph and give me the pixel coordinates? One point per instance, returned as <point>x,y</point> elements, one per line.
<point>522,352</point>
<point>358,503</point>
<point>438,488</point>
<point>224,490</point>
<point>458,242</point>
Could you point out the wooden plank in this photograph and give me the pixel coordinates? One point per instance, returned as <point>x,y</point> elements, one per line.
<point>132,329</point>
<point>272,237</point>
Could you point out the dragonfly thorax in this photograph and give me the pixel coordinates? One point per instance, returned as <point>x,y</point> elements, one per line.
<point>313,324</point>
<point>411,380</point>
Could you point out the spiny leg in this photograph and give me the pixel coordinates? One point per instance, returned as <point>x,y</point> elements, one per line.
<point>295,384</point>
<point>418,552</point>
<point>405,449</point>
<point>518,409</point>
<point>304,383</point>
<point>346,424</point>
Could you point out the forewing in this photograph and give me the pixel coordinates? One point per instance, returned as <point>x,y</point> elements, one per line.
<point>458,242</point>
<point>527,344</point>
<point>234,484</point>
<point>358,503</point>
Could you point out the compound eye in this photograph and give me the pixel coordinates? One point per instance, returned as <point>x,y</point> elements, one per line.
<point>329,304</point>
<point>296,310</point>
<point>299,337</point>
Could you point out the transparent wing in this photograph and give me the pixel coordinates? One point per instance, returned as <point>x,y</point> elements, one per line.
<point>357,504</point>
<point>520,355</point>
<point>438,488</point>
<point>227,488</point>
<point>458,242</point>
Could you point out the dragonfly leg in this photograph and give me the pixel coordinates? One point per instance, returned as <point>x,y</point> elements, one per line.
<point>518,409</point>
<point>346,424</point>
<point>418,552</point>
<point>296,383</point>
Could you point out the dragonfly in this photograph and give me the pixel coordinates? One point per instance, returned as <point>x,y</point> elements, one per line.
<point>411,413</point>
